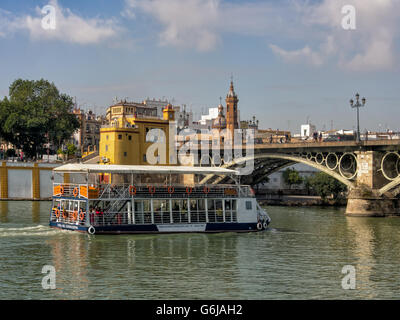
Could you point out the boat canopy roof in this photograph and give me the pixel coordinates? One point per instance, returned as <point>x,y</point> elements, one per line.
<point>98,168</point>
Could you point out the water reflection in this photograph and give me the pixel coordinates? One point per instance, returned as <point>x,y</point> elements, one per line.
<point>3,211</point>
<point>36,211</point>
<point>134,267</point>
<point>300,257</point>
<point>69,260</point>
<point>363,239</point>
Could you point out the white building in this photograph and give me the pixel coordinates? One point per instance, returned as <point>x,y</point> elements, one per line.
<point>159,104</point>
<point>307,130</point>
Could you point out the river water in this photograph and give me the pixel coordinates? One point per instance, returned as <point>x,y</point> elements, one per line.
<point>300,257</point>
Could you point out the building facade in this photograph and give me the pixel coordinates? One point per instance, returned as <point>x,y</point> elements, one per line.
<point>87,137</point>
<point>125,139</point>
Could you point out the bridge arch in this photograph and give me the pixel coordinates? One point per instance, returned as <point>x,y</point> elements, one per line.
<point>284,160</point>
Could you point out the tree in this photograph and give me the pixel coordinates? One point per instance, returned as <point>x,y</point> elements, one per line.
<point>36,113</point>
<point>292,177</point>
<point>71,149</point>
<point>325,185</point>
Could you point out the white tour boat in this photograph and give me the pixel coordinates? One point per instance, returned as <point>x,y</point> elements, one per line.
<point>88,204</point>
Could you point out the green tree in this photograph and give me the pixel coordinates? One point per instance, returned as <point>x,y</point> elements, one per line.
<point>325,185</point>
<point>36,113</point>
<point>292,177</point>
<point>71,149</point>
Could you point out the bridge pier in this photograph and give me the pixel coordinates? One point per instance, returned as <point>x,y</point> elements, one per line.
<point>365,199</point>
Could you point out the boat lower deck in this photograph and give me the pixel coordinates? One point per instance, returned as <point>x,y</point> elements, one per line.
<point>160,228</point>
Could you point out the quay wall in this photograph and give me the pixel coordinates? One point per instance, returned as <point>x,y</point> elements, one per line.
<point>26,180</point>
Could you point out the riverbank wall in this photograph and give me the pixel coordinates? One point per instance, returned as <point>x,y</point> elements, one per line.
<point>26,180</point>
<point>300,201</point>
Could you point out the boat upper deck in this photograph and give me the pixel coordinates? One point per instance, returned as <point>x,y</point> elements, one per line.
<point>94,189</point>
<point>128,191</point>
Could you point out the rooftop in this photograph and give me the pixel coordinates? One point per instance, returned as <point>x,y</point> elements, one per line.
<point>96,168</point>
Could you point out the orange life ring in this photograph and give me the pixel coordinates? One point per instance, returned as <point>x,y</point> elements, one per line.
<point>189,190</point>
<point>57,213</point>
<point>75,215</point>
<point>82,215</point>
<point>152,189</point>
<point>171,189</point>
<point>132,190</point>
<point>76,192</point>
<point>61,190</point>
<point>206,190</point>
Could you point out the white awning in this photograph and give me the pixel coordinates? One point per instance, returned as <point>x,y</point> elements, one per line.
<point>98,168</point>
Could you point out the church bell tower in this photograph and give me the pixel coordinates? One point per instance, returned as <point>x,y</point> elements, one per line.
<point>232,111</point>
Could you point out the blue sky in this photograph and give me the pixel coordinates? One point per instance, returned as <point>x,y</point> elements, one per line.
<point>290,59</point>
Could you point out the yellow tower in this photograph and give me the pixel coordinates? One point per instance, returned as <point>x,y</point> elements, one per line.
<point>169,113</point>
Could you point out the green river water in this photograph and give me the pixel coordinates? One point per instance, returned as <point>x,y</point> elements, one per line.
<point>301,256</point>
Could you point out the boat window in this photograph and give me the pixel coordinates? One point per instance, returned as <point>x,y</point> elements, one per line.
<point>179,211</point>
<point>218,210</point>
<point>138,207</point>
<point>211,210</point>
<point>202,206</point>
<point>194,211</point>
<point>161,211</point>
<point>228,210</point>
<point>248,205</point>
<point>234,205</point>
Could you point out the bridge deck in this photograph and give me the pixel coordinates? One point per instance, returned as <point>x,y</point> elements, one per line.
<point>310,146</point>
<point>339,144</point>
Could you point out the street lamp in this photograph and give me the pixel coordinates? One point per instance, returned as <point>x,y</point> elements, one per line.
<point>357,105</point>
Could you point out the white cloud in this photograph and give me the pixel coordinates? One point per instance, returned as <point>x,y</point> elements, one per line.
<point>70,27</point>
<point>199,24</point>
<point>187,23</point>
<point>301,55</point>
<point>368,48</point>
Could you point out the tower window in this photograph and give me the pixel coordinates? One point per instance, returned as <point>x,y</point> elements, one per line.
<point>129,137</point>
<point>120,137</point>
<point>125,154</point>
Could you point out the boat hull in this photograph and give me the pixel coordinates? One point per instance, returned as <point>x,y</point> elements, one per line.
<point>161,228</point>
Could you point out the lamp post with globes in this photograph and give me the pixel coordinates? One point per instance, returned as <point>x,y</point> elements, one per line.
<point>357,105</point>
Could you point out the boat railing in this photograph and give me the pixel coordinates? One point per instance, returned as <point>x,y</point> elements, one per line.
<point>127,191</point>
<point>262,214</point>
<point>70,216</point>
<point>160,217</point>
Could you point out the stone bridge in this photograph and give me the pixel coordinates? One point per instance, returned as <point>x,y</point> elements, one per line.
<point>370,169</point>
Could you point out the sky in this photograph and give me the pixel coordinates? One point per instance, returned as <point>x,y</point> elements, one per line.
<point>292,61</point>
